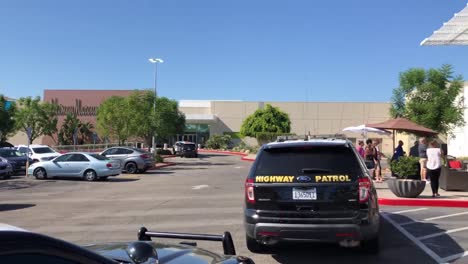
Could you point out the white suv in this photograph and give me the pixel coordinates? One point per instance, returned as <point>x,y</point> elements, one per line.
<point>38,152</point>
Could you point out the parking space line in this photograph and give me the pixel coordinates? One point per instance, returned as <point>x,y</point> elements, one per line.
<point>445,216</point>
<point>455,256</point>
<point>409,211</point>
<point>443,233</point>
<point>413,239</point>
<point>433,218</point>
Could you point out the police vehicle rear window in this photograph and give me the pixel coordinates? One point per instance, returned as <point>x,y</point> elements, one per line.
<point>189,146</point>
<point>308,160</point>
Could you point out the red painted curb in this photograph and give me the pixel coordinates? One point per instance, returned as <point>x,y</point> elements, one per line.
<point>223,152</point>
<point>166,164</point>
<point>424,202</point>
<point>247,158</point>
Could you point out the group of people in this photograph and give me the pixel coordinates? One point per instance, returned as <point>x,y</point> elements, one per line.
<point>430,161</point>
<point>429,154</point>
<point>372,155</point>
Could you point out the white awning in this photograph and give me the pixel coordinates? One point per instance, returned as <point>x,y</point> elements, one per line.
<point>453,32</point>
<point>201,118</point>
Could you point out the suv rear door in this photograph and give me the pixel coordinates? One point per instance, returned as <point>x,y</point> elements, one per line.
<point>322,179</point>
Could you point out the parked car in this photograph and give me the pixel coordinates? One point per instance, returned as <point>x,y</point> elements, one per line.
<point>6,170</point>
<point>189,149</point>
<point>22,246</point>
<point>177,148</point>
<point>132,160</point>
<point>88,166</point>
<point>38,152</point>
<point>313,190</point>
<point>15,158</point>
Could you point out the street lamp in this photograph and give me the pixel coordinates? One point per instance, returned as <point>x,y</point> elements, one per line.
<point>155,61</point>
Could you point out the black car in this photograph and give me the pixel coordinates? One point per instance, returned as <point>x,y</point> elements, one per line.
<point>310,190</point>
<point>20,246</point>
<point>15,158</point>
<point>188,149</point>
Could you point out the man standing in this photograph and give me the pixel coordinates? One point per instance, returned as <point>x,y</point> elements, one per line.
<point>378,156</point>
<point>414,150</point>
<point>422,151</point>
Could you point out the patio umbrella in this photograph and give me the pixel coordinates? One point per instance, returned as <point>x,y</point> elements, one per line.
<point>405,125</point>
<point>363,129</point>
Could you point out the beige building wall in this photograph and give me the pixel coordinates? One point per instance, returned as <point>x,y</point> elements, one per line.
<point>306,117</point>
<point>21,138</point>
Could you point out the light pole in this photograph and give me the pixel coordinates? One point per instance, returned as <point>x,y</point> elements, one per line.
<point>155,61</point>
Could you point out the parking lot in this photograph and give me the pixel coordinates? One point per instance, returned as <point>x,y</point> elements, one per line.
<point>205,195</point>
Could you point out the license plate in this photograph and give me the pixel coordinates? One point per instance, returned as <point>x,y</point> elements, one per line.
<point>304,194</point>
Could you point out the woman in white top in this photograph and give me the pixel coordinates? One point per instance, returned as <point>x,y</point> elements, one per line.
<point>433,166</point>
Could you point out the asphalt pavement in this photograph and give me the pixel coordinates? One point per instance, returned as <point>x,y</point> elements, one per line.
<point>205,195</point>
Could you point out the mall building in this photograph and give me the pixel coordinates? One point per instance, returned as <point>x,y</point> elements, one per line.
<point>209,117</point>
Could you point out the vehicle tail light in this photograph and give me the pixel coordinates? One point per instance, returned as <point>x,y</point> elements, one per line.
<point>144,156</point>
<point>249,191</point>
<point>109,165</point>
<point>364,189</point>
<point>265,233</point>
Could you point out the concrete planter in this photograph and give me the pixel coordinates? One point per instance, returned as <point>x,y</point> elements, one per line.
<point>406,188</point>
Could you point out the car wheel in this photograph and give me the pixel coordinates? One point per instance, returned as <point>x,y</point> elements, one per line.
<point>131,167</point>
<point>40,173</point>
<point>90,175</point>
<point>254,246</point>
<point>370,246</point>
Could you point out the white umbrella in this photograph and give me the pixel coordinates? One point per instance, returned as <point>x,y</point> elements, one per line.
<point>364,130</point>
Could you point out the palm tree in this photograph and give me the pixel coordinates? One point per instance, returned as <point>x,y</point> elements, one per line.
<point>86,131</point>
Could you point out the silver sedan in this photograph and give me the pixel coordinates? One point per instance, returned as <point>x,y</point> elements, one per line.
<point>88,166</point>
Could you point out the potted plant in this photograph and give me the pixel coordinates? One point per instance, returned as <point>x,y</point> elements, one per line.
<point>406,181</point>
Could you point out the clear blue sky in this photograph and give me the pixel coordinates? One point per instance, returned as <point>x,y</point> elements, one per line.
<point>238,50</point>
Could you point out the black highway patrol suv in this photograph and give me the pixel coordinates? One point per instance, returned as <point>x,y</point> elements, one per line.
<point>316,189</point>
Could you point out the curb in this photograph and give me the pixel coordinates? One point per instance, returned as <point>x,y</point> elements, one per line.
<point>166,164</point>
<point>223,152</point>
<point>424,202</point>
<point>248,159</point>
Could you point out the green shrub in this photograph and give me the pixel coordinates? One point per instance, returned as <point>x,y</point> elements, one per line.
<point>405,167</point>
<point>163,152</point>
<point>218,141</point>
<point>158,158</point>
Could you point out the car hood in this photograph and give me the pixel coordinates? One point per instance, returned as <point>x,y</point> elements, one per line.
<point>167,254</point>
<point>16,158</point>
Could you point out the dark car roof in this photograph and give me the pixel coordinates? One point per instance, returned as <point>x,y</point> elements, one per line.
<point>300,143</point>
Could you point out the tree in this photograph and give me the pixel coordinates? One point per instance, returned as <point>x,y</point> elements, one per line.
<point>270,120</point>
<point>146,121</point>
<point>41,117</point>
<point>113,118</point>
<point>86,132</point>
<point>7,121</point>
<point>431,98</point>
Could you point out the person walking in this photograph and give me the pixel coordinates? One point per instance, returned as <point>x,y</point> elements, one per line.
<point>360,149</point>
<point>433,166</point>
<point>398,151</point>
<point>422,147</point>
<point>414,151</point>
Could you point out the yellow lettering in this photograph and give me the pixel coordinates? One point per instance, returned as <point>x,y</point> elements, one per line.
<point>291,178</point>
<point>318,178</point>
<point>335,178</point>
<point>342,178</point>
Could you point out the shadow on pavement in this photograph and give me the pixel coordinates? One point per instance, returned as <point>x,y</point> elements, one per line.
<point>207,155</point>
<point>19,184</point>
<point>394,248</point>
<point>122,180</point>
<point>11,207</point>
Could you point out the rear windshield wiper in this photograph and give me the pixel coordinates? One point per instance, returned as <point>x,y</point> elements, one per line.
<point>312,170</point>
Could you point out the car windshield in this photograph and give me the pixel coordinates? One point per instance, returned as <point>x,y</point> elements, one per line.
<point>10,153</point>
<point>98,157</point>
<point>42,150</point>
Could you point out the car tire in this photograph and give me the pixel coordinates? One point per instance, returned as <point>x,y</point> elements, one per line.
<point>40,174</point>
<point>90,175</point>
<point>371,246</point>
<point>254,246</point>
<point>131,167</point>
